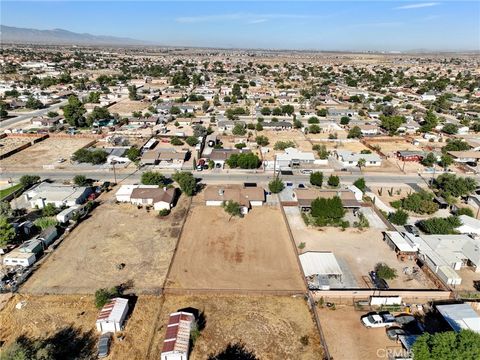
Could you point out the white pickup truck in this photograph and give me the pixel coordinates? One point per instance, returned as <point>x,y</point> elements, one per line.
<point>378,320</point>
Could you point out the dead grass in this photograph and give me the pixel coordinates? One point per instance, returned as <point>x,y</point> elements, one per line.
<point>46,152</point>
<point>126,107</point>
<point>253,252</point>
<point>271,327</point>
<point>113,234</point>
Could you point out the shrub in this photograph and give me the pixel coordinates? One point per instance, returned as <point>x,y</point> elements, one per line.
<point>398,217</point>
<point>153,178</point>
<point>262,140</point>
<point>45,222</point>
<point>175,141</point>
<point>95,157</point>
<point>385,272</point>
<point>420,202</point>
<point>465,211</point>
<point>304,340</point>
<point>164,212</point>
<point>333,180</point>
<point>440,225</point>
<point>282,145</point>
<point>81,180</point>
<point>276,186</point>
<point>244,161</point>
<point>191,140</point>
<point>102,296</point>
<point>29,180</point>
<point>360,183</point>
<point>316,178</point>
<point>186,181</point>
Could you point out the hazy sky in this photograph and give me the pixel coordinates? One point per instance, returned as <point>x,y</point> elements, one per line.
<point>324,25</point>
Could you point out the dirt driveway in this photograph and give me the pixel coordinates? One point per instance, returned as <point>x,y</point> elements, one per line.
<point>113,234</point>
<point>359,250</point>
<point>348,339</point>
<point>253,252</point>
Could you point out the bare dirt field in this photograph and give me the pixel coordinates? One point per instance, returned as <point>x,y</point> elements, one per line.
<point>48,316</point>
<point>46,152</point>
<point>216,252</point>
<point>347,145</point>
<point>391,147</point>
<point>126,107</point>
<point>348,339</point>
<point>10,143</point>
<point>269,326</point>
<point>360,250</point>
<point>113,234</point>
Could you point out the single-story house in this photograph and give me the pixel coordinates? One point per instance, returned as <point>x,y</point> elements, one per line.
<point>112,315</point>
<point>228,125</point>
<point>465,156</point>
<point>149,121</point>
<point>219,156</point>
<point>469,225</point>
<point>148,195</point>
<point>293,157</point>
<point>46,121</point>
<point>305,197</point>
<point>58,195</point>
<point>247,197</point>
<point>368,130</point>
<point>409,155</point>
<point>177,336</point>
<point>350,159</point>
<point>164,157</point>
<point>277,125</point>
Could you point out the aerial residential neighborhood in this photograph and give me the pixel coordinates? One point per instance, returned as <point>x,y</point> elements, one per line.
<point>199,202</point>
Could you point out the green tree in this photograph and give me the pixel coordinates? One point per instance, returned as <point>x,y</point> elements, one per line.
<point>276,185</point>
<point>233,208</point>
<point>391,123</point>
<point>333,180</point>
<point>33,103</point>
<point>440,225</point>
<point>46,222</point>
<point>153,178</point>
<point>465,211</point>
<point>297,124</point>
<point>282,145</point>
<point>360,183</point>
<point>313,120</point>
<point>5,209</point>
<point>385,272</point>
<point>186,181</point>
<point>445,161</point>
<point>7,231</point>
<point>316,178</point>
<point>191,140</point>
<point>29,180</point>
<point>456,145</point>
<point>361,163</point>
<point>448,345</point>
<point>259,126</point>
<point>3,110</point>
<point>239,129</point>
<point>429,160</point>
<point>327,211</point>
<point>322,112</point>
<point>103,295</point>
<point>450,129</point>
<point>354,133</point>
<point>344,120</point>
<point>98,113</point>
<point>95,157</point>
<point>262,140</point>
<point>420,202</point>
<point>398,217</point>
<point>429,122</point>
<point>74,111</point>
<point>132,92</point>
<point>93,97</point>
<point>133,154</point>
<point>49,210</point>
<point>451,185</point>
<point>175,141</point>
<point>81,180</point>
<point>314,129</point>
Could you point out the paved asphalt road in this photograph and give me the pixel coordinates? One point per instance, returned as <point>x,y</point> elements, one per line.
<point>206,177</point>
<point>22,117</point>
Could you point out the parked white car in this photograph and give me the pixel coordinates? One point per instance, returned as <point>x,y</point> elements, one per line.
<point>378,320</point>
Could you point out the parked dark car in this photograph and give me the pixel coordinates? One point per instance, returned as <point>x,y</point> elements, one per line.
<point>394,332</point>
<point>378,282</point>
<point>104,345</point>
<point>411,229</point>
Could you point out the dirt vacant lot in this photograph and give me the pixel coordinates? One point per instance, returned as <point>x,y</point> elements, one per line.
<point>46,152</point>
<point>348,339</point>
<point>126,107</point>
<point>66,320</point>
<point>271,327</point>
<point>216,252</point>
<point>113,234</point>
<point>10,143</point>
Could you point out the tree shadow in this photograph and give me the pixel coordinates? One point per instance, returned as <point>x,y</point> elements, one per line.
<point>234,352</point>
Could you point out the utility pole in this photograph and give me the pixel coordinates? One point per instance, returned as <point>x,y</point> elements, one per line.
<point>114,172</point>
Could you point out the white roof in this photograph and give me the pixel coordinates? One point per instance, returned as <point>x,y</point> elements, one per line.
<point>352,156</point>
<point>295,154</point>
<point>400,242</point>
<point>469,225</point>
<point>319,263</point>
<point>126,190</point>
<point>113,310</point>
<point>460,317</point>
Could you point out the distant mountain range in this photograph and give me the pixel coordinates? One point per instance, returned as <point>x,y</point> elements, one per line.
<point>10,34</point>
